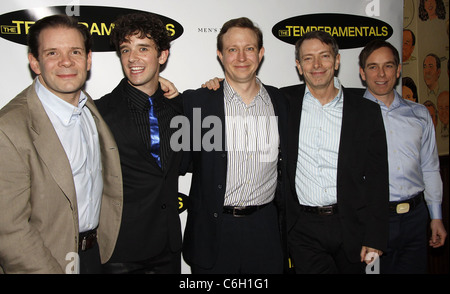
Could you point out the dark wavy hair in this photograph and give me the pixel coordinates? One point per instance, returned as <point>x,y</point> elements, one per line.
<point>440,10</point>
<point>409,82</point>
<point>142,25</point>
<point>56,21</point>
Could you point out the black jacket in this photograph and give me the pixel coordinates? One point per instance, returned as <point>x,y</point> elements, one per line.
<point>362,171</point>
<point>150,219</point>
<point>209,168</point>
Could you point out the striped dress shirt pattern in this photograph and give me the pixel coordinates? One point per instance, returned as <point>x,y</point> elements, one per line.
<point>252,143</point>
<point>318,149</point>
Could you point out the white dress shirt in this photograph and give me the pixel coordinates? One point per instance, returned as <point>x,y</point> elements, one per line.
<point>252,143</point>
<point>78,135</point>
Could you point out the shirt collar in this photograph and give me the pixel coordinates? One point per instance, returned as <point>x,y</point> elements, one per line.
<point>62,109</point>
<point>231,94</point>
<point>398,101</point>
<point>336,100</point>
<point>138,99</point>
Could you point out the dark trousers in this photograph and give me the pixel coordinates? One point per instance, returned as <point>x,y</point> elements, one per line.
<point>407,247</point>
<point>316,246</point>
<point>166,262</point>
<point>90,261</point>
<point>248,245</point>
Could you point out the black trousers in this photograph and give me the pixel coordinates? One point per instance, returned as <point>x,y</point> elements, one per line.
<point>407,247</point>
<point>166,262</point>
<point>90,261</point>
<point>316,246</point>
<point>248,245</point>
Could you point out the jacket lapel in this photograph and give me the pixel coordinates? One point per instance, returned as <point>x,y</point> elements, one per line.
<point>349,120</point>
<point>49,147</point>
<point>295,110</point>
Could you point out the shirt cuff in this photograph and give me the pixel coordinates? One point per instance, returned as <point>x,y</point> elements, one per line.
<point>435,211</point>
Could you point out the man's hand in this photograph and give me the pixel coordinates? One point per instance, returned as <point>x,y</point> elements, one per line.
<point>438,233</point>
<point>212,84</point>
<point>169,89</point>
<point>369,255</point>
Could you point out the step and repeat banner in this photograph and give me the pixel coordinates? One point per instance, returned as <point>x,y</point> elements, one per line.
<point>194,26</point>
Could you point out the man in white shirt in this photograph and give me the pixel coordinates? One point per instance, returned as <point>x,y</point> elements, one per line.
<point>60,186</point>
<point>337,167</point>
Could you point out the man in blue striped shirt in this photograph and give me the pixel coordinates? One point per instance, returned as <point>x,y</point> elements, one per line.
<point>413,163</point>
<point>337,170</point>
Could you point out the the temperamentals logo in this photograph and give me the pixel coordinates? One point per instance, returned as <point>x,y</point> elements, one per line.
<point>350,31</point>
<point>99,20</point>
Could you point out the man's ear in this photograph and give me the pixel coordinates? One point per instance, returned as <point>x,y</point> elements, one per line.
<point>34,64</point>
<point>89,61</point>
<point>220,55</point>
<point>363,75</point>
<point>163,56</point>
<point>299,67</point>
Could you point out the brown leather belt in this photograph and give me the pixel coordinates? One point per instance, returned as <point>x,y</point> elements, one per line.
<point>87,240</point>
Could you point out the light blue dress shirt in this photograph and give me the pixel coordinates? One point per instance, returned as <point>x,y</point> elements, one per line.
<point>412,152</point>
<point>78,135</point>
<point>318,149</point>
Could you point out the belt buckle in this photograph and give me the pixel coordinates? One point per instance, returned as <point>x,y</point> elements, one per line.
<point>402,208</point>
<point>326,210</point>
<point>237,208</point>
<point>83,244</point>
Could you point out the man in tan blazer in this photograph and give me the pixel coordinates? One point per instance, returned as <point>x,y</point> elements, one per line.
<point>58,195</point>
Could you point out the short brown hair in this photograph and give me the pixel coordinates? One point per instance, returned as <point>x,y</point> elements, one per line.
<point>242,22</point>
<point>375,45</point>
<point>322,36</point>
<point>55,21</point>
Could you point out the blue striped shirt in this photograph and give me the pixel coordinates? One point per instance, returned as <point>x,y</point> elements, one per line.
<point>318,148</point>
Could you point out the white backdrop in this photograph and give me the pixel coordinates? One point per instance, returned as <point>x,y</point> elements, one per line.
<point>193,55</point>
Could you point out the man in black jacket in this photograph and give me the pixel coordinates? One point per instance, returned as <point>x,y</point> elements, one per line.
<point>232,224</point>
<point>139,117</point>
<point>337,210</point>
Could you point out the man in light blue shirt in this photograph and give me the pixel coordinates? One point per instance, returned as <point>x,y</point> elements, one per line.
<point>413,163</point>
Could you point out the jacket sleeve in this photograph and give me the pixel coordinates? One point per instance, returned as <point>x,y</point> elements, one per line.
<point>377,185</point>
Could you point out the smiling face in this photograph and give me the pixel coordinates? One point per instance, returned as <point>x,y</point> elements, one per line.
<point>317,64</point>
<point>240,56</point>
<point>63,63</point>
<point>431,72</point>
<point>430,7</point>
<point>141,62</point>
<point>381,73</point>
<point>408,46</point>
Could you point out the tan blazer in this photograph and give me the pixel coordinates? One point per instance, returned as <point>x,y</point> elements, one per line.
<point>38,204</point>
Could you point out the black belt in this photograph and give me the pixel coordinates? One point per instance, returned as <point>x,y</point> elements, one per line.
<point>86,240</point>
<point>405,206</point>
<point>320,210</point>
<point>239,211</point>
